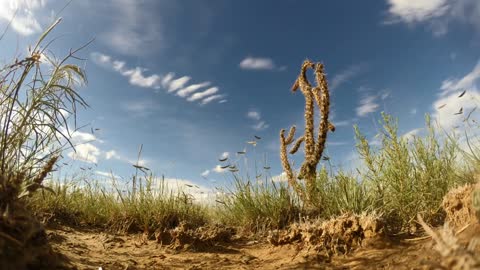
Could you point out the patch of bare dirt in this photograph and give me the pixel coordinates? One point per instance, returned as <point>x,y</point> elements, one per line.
<point>90,249</point>
<point>458,205</point>
<point>337,236</point>
<point>346,242</point>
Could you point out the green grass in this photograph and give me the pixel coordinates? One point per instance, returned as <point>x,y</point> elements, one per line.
<point>398,178</point>
<point>91,203</point>
<point>258,205</point>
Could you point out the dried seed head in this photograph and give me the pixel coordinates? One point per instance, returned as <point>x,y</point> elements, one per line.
<point>48,167</point>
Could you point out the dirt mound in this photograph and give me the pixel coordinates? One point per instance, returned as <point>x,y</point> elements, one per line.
<point>24,242</point>
<point>458,205</point>
<point>340,235</point>
<point>185,238</point>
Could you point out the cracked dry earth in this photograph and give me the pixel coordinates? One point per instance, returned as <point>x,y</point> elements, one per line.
<point>90,249</point>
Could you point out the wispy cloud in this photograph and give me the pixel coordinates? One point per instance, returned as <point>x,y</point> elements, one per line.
<point>191,88</point>
<point>204,94</point>
<point>176,84</point>
<point>211,98</point>
<point>342,123</point>
<point>449,108</point>
<point>346,75</point>
<point>132,32</point>
<point>205,173</point>
<point>112,154</point>
<point>137,77</point>
<point>410,135</point>
<point>259,63</point>
<point>256,116</point>
<point>260,126</point>
<point>368,104</point>
<point>23,15</point>
<point>107,174</point>
<point>436,14</point>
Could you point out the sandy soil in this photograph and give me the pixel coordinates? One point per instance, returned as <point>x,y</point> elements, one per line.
<point>90,249</point>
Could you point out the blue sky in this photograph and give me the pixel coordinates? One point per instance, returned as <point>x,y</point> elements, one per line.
<point>191,80</point>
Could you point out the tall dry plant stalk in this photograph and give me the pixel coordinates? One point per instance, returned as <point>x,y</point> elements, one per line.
<point>34,107</point>
<point>313,146</point>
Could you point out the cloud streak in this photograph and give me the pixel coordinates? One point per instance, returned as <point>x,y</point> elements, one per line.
<point>259,63</point>
<point>368,104</point>
<point>345,75</point>
<point>131,31</point>
<point>23,15</point>
<point>436,14</point>
<point>259,123</point>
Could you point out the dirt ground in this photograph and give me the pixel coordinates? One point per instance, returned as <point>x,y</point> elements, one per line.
<point>90,249</point>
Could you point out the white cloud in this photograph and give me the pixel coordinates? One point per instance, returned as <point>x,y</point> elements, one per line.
<point>101,59</point>
<point>191,88</point>
<point>210,99</point>
<point>112,154</point>
<point>330,143</point>
<point>224,155</point>
<point>257,63</point>
<point>118,65</point>
<point>345,75</point>
<point>453,85</point>
<point>200,95</point>
<point>280,178</point>
<point>342,123</point>
<point>417,11</point>
<point>218,169</point>
<point>205,173</point>
<point>368,104</point>
<point>176,84</point>
<point>167,79</point>
<point>448,104</point>
<point>199,193</point>
<point>168,82</point>
<point>252,114</point>
<point>79,136</point>
<point>86,152</point>
<point>256,116</point>
<point>437,14</point>
<point>385,94</point>
<point>260,126</point>
<point>410,135</point>
<point>107,174</point>
<point>23,15</point>
<point>136,77</point>
<point>413,111</point>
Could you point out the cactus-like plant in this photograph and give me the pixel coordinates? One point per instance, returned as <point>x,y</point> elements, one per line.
<point>313,146</point>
